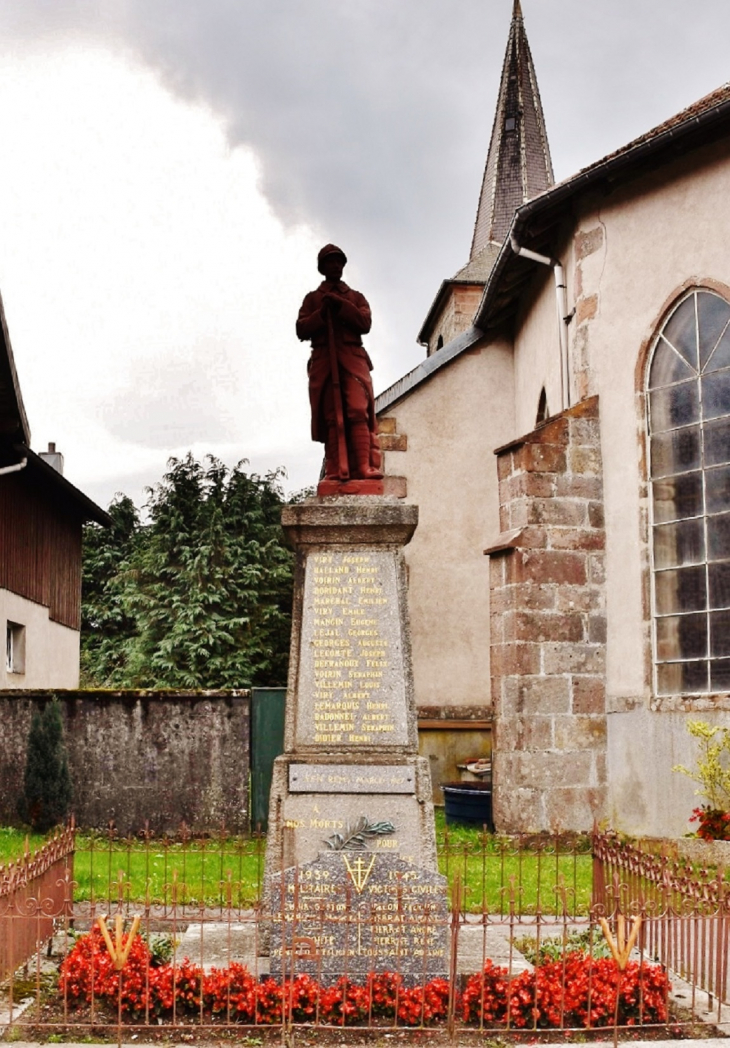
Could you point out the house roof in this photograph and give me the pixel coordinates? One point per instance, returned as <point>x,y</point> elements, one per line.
<point>534,222</point>
<point>13,419</point>
<point>15,437</point>
<point>518,166</point>
<point>63,489</point>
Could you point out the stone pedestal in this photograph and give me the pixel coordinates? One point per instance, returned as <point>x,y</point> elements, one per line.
<point>351,763</point>
<point>352,884</point>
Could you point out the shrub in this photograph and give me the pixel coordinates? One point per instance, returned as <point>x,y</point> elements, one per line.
<point>88,971</point>
<point>713,775</point>
<point>552,948</point>
<point>46,796</point>
<point>269,1002</point>
<point>485,996</point>
<point>231,991</point>
<point>424,1004</point>
<point>344,1004</point>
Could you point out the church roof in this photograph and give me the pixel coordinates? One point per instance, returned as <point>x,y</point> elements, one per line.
<point>700,124</point>
<point>518,163</point>
<point>475,272</point>
<point>479,266</point>
<point>704,122</point>
<point>518,166</point>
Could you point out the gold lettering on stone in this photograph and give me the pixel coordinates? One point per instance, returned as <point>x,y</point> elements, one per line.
<point>351,650</point>
<point>371,907</point>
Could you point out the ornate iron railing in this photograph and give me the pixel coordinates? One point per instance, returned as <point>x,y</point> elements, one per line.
<point>528,926</point>
<point>35,890</point>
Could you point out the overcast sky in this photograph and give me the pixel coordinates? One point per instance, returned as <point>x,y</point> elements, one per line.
<point>171,167</point>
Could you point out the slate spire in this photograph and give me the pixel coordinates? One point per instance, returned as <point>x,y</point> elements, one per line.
<point>518,163</point>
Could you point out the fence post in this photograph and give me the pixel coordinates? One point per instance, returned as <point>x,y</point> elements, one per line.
<point>456,903</point>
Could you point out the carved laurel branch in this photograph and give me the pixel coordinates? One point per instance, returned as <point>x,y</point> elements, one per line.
<point>357,835</point>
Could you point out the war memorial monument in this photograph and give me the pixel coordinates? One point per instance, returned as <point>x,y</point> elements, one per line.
<point>352,881</point>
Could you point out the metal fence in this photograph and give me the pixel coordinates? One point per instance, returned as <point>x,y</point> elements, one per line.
<point>685,909</point>
<point>34,891</point>
<point>178,932</point>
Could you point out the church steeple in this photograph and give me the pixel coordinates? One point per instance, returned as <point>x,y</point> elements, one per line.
<point>518,168</point>
<point>518,163</point>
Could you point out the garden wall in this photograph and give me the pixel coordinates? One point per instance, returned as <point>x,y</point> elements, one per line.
<point>166,757</point>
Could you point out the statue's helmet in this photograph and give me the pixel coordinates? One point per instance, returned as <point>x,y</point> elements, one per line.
<point>330,249</point>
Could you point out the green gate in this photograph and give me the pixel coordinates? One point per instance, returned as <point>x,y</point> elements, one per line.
<point>267,742</point>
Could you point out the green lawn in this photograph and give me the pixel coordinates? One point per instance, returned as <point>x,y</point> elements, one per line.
<point>496,876</point>
<point>214,872</point>
<point>13,844</point>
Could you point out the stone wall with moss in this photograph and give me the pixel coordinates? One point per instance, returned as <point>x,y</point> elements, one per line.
<point>136,757</point>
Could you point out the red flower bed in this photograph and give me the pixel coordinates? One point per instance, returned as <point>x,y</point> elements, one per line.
<point>574,992</point>
<point>89,971</point>
<point>714,824</point>
<point>234,995</point>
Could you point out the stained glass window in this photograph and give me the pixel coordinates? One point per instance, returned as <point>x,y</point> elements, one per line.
<point>689,431</point>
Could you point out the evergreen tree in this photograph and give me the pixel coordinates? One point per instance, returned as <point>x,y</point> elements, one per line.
<point>46,796</point>
<point>197,597</point>
<point>106,626</point>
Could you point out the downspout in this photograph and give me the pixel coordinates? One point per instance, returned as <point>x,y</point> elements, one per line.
<point>561,299</point>
<point>15,468</point>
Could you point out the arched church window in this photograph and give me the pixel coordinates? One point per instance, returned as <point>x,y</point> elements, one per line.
<point>689,429</point>
<point>542,408</point>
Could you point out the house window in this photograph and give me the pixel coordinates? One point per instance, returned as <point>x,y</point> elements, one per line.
<point>689,430</point>
<point>15,648</point>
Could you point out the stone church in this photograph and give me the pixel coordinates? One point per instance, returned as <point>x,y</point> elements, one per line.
<point>567,439</point>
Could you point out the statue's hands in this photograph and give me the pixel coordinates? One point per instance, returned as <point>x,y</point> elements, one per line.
<point>331,303</point>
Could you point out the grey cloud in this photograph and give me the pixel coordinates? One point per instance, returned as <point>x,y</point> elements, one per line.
<point>175,405</point>
<point>372,117</point>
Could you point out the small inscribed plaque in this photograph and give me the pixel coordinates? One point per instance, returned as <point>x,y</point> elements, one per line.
<point>351,778</point>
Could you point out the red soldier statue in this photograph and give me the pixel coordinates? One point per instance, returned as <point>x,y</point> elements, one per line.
<point>334,318</point>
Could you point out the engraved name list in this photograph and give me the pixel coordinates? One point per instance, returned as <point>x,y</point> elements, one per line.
<point>351,652</point>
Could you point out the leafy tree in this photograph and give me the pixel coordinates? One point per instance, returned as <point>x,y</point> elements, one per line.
<point>46,796</point>
<point>106,626</point>
<point>197,597</point>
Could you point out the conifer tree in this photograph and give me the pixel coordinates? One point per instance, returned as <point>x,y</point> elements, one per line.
<point>46,796</point>
<point>196,596</point>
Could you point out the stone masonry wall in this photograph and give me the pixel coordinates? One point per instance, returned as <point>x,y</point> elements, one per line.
<point>548,628</point>
<point>457,314</point>
<point>166,757</point>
